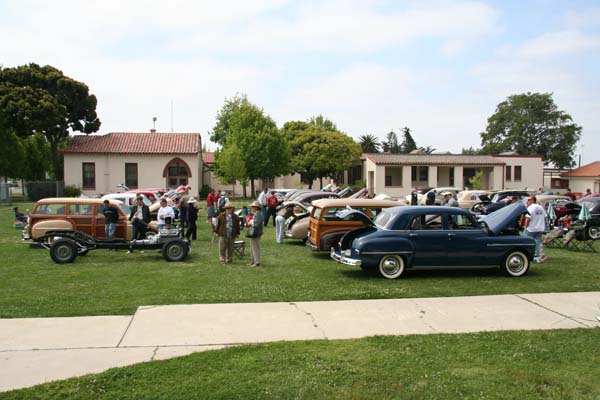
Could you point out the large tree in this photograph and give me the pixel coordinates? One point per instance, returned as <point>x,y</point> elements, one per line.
<point>41,99</point>
<point>222,126</point>
<point>12,152</point>
<point>317,152</point>
<point>262,148</point>
<point>531,123</point>
<point>408,143</point>
<point>230,167</point>
<point>391,145</point>
<point>368,143</point>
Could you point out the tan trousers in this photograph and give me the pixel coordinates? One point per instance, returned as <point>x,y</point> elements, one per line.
<point>226,249</point>
<point>255,250</point>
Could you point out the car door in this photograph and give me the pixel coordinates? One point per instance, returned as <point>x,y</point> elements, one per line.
<point>82,217</point>
<point>429,239</point>
<point>466,241</point>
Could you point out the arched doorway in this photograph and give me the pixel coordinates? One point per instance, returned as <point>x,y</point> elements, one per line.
<point>177,173</point>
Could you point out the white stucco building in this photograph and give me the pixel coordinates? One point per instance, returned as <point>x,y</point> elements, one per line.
<point>98,163</point>
<point>583,178</point>
<point>397,174</point>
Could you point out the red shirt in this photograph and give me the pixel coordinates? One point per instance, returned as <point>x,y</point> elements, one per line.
<point>210,200</point>
<point>272,201</point>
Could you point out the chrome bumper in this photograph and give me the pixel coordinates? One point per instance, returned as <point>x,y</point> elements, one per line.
<point>344,260</point>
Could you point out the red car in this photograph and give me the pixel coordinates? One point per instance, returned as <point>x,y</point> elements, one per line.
<point>152,194</point>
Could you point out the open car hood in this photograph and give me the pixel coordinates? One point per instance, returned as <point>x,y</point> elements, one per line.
<point>499,220</point>
<point>355,215</point>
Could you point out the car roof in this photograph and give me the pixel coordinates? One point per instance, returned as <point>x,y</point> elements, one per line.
<point>355,203</point>
<point>413,210</point>
<point>72,200</point>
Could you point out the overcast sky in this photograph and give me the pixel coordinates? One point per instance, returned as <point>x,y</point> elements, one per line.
<point>438,67</point>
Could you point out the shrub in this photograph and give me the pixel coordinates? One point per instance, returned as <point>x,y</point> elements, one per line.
<point>72,191</point>
<point>41,190</point>
<point>205,191</point>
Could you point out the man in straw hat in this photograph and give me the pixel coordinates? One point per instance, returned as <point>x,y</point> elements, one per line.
<point>192,217</point>
<point>228,229</point>
<point>256,227</point>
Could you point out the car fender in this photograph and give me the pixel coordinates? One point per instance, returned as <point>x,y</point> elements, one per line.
<point>373,248</point>
<point>40,228</point>
<point>300,228</point>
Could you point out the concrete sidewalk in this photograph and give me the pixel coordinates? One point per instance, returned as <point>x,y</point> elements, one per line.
<point>39,350</point>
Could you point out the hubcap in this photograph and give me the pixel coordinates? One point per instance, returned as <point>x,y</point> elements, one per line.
<point>594,232</point>
<point>63,252</point>
<point>175,251</point>
<point>391,266</point>
<point>515,263</point>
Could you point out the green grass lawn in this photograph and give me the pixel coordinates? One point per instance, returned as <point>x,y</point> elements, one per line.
<point>562,364</point>
<point>116,283</point>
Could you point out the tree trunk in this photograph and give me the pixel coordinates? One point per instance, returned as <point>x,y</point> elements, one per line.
<point>244,189</point>
<point>321,182</point>
<point>56,165</point>
<point>252,186</point>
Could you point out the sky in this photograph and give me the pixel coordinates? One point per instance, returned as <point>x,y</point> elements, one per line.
<point>438,67</point>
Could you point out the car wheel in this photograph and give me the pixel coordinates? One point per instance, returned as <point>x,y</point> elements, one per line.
<point>391,266</point>
<point>63,251</point>
<point>593,232</point>
<point>175,250</point>
<point>515,264</point>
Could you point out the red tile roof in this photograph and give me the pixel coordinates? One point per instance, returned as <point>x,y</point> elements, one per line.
<point>208,157</point>
<point>136,143</point>
<point>589,170</point>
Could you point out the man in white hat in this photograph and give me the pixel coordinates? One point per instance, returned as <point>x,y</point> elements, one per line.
<point>228,229</point>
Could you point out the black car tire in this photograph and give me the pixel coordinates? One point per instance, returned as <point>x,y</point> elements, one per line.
<point>515,264</point>
<point>175,250</point>
<point>63,251</point>
<point>592,232</point>
<point>391,266</point>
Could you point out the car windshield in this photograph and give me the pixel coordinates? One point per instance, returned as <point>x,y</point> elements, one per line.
<point>590,204</point>
<point>382,219</point>
<point>125,208</point>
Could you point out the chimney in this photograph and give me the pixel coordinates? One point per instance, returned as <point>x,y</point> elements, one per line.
<point>152,130</point>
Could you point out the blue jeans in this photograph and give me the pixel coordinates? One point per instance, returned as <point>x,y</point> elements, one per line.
<point>109,230</point>
<point>279,229</point>
<point>538,241</point>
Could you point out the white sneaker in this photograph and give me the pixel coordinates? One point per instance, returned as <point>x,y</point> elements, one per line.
<point>536,260</point>
<point>141,251</point>
<point>129,251</point>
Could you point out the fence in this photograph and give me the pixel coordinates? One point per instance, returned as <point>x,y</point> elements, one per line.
<point>42,189</point>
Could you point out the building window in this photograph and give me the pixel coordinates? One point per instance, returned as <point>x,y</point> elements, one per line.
<point>393,176</point>
<point>517,172</point>
<point>131,175</point>
<point>419,174</point>
<point>508,173</point>
<point>89,175</point>
<point>177,173</point>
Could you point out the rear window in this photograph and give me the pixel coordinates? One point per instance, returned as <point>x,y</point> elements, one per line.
<point>382,219</point>
<point>52,209</point>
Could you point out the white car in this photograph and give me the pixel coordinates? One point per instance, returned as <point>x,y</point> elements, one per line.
<point>127,198</point>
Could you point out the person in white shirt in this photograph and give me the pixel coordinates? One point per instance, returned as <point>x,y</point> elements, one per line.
<point>262,200</point>
<point>536,225</point>
<point>163,212</point>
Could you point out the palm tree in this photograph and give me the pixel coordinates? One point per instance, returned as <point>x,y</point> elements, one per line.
<point>369,143</point>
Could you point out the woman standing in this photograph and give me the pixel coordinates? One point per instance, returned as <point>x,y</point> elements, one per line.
<point>256,227</point>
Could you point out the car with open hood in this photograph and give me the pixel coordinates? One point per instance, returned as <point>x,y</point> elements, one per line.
<point>424,236</point>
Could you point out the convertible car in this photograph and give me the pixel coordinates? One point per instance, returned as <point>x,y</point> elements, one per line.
<point>404,237</point>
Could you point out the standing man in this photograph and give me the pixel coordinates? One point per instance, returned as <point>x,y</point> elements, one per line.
<point>282,216</point>
<point>272,203</point>
<point>570,194</point>
<point>453,202</point>
<point>535,223</point>
<point>192,216</point>
<point>262,200</point>
<point>228,229</point>
<point>210,206</point>
<point>111,216</point>
<point>430,198</point>
<point>140,218</point>
<point>256,224</point>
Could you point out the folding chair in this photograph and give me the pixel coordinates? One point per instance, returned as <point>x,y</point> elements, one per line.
<point>239,247</point>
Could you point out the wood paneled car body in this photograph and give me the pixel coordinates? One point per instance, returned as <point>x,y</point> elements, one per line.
<point>402,237</point>
<point>75,214</point>
<point>326,226</point>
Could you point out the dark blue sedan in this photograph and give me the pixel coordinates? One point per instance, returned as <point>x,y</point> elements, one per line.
<point>404,237</point>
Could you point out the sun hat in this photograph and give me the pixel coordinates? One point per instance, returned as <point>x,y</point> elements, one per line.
<point>228,205</point>
<point>255,204</point>
<point>191,200</point>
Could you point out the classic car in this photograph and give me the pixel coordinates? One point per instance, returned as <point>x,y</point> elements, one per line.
<point>592,227</point>
<point>74,214</point>
<point>128,198</point>
<point>296,226</point>
<point>498,200</point>
<point>406,237</point>
<point>326,226</point>
<point>309,197</point>
<point>468,198</point>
